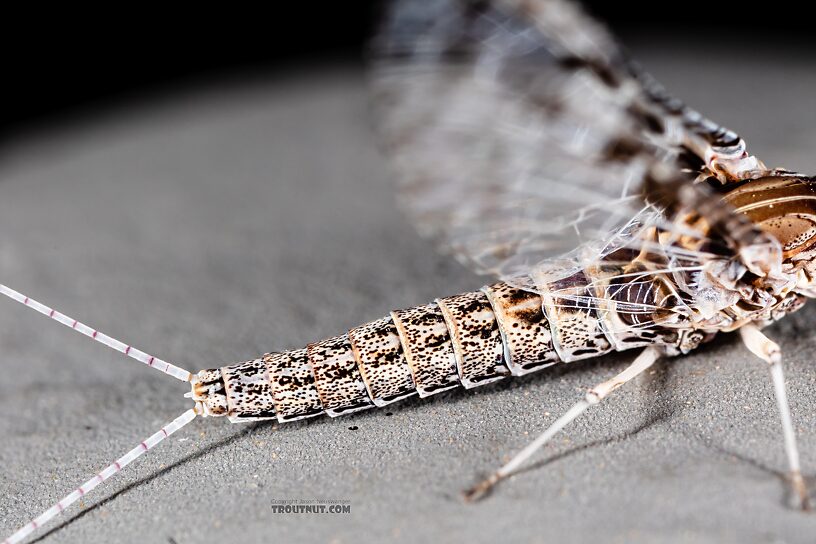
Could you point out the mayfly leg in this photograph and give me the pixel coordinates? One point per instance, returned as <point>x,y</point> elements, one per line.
<point>594,396</point>
<point>768,350</point>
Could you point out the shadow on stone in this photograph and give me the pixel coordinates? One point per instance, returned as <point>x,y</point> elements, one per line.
<point>147,479</point>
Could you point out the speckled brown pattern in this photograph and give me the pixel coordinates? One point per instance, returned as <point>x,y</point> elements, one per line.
<point>525,330</point>
<point>209,388</point>
<point>209,376</point>
<point>249,396</point>
<point>476,339</point>
<point>337,378</point>
<point>293,385</point>
<point>575,327</point>
<point>428,348</point>
<point>382,364</point>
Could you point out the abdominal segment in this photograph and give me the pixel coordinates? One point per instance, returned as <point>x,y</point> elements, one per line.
<point>466,340</point>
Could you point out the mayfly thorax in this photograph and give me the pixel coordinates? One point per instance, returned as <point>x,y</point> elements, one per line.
<point>612,217</point>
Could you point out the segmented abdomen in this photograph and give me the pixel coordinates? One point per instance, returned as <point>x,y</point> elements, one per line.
<point>470,339</point>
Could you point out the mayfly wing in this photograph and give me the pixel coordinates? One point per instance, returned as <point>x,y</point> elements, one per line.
<point>520,130</point>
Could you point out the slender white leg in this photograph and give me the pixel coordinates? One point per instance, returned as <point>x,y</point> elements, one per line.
<point>593,396</point>
<point>767,350</point>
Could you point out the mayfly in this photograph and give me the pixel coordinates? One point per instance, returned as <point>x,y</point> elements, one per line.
<point>611,215</point>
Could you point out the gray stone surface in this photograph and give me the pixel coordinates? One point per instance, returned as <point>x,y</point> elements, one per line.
<point>214,224</point>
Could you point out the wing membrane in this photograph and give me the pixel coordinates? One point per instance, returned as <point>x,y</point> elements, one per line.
<point>518,130</point>
<point>529,147</point>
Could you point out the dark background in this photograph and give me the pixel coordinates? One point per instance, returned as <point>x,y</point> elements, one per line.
<point>58,64</point>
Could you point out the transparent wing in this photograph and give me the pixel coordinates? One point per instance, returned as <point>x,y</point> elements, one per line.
<point>519,130</point>
<point>687,260</point>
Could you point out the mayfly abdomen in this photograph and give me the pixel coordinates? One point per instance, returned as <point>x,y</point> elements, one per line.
<point>568,304</point>
<point>428,349</point>
<point>209,389</point>
<point>525,330</point>
<point>470,340</point>
<point>337,377</point>
<point>477,342</point>
<point>630,301</point>
<point>294,393</point>
<point>248,391</point>
<point>383,366</point>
